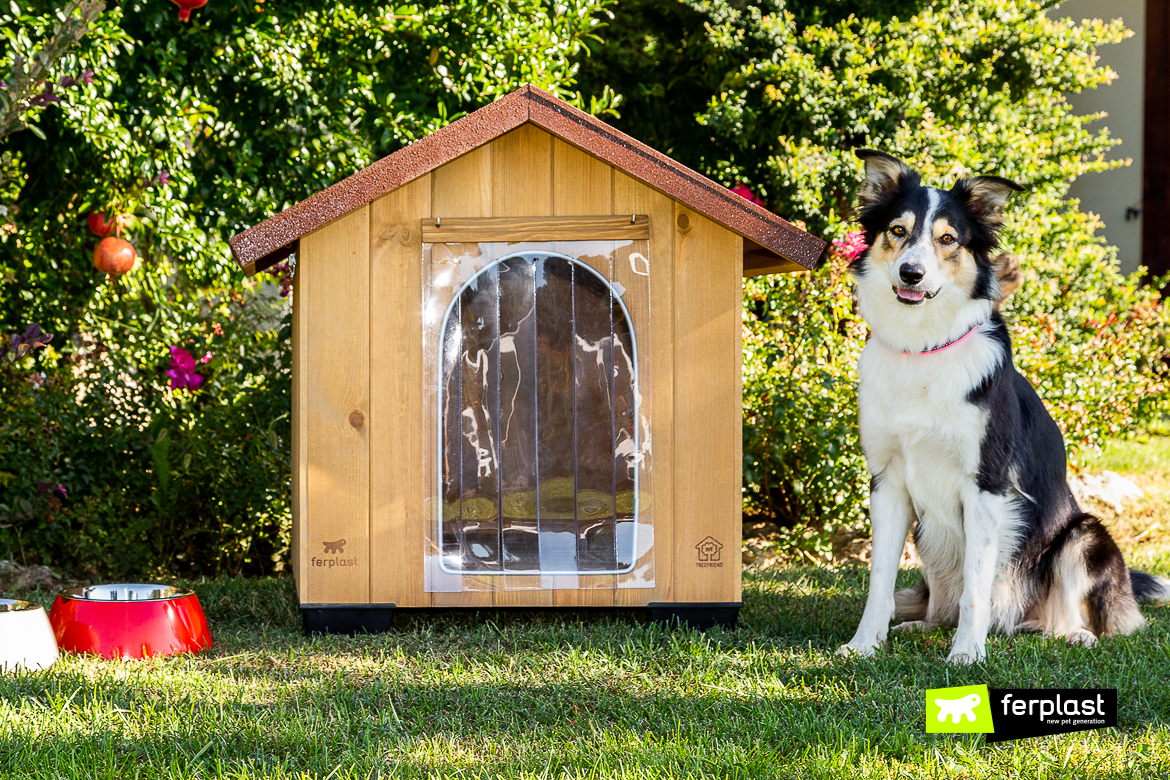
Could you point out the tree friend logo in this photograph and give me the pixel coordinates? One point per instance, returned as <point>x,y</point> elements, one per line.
<point>962,710</point>
<point>1018,713</point>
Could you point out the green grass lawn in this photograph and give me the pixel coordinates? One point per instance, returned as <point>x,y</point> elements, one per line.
<point>576,694</point>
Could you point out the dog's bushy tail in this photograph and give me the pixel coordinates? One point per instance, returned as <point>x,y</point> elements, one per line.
<point>911,603</point>
<point>1148,589</point>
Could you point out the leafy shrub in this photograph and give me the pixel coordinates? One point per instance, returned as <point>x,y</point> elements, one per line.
<point>106,467</point>
<point>781,94</point>
<point>194,132</point>
<point>803,463</point>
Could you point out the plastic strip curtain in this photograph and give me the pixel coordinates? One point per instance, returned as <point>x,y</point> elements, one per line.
<point>540,409</point>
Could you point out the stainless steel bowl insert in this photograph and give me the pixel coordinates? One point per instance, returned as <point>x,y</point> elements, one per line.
<point>122,591</point>
<point>12,605</point>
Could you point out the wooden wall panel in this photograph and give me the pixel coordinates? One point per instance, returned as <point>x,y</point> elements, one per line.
<point>334,270</point>
<point>581,183</point>
<point>521,174</point>
<point>707,410</point>
<point>398,488</point>
<point>463,188</point>
<point>300,462</point>
<point>358,413</point>
<point>522,187</point>
<point>631,196</point>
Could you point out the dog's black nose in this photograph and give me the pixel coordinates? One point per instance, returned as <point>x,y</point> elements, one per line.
<point>912,273</point>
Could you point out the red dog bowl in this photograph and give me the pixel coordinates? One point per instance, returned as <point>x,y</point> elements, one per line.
<point>129,621</point>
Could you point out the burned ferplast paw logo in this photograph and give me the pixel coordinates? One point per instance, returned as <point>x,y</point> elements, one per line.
<point>334,548</point>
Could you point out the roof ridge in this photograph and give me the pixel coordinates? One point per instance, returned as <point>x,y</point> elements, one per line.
<point>265,244</point>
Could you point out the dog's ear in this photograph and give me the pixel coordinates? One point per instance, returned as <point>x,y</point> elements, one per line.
<point>882,172</point>
<point>1009,276</point>
<point>987,195</point>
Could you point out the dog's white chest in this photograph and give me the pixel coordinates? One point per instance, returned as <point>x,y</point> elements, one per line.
<point>916,419</point>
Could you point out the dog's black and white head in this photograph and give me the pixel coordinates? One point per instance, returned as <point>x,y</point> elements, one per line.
<point>928,275</point>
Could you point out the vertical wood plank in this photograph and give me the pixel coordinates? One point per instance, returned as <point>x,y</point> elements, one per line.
<point>707,410</point>
<point>581,184</point>
<point>463,188</point>
<point>522,187</point>
<point>522,173</point>
<point>335,266</point>
<point>300,461</point>
<point>634,197</point>
<point>398,489</point>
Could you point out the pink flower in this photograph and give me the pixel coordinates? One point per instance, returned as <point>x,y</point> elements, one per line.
<point>52,487</point>
<point>182,370</point>
<point>744,191</point>
<point>205,358</point>
<point>852,245</point>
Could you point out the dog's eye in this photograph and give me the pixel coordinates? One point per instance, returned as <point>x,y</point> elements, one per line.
<point>947,238</point>
<point>898,230</point>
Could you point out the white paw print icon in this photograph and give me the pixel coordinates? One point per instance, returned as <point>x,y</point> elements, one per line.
<point>957,709</point>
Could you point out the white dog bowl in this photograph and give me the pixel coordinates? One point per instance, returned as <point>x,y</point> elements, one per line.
<point>26,638</point>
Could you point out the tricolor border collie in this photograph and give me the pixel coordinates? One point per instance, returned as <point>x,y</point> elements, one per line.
<point>959,444</point>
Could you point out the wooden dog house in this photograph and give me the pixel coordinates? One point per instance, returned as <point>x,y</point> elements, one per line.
<point>516,362</point>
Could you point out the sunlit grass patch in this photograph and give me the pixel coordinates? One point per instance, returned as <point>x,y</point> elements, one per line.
<point>564,694</point>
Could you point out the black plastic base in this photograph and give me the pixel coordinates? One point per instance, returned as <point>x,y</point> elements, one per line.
<point>697,615</point>
<point>353,619</point>
<point>347,619</point>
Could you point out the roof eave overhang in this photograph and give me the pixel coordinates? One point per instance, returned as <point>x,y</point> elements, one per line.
<point>766,235</point>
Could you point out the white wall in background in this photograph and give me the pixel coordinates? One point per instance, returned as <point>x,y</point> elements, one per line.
<point>1110,193</point>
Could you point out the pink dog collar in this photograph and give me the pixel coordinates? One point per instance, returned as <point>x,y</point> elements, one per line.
<point>948,345</point>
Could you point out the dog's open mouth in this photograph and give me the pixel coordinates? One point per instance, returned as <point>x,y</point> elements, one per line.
<point>913,297</point>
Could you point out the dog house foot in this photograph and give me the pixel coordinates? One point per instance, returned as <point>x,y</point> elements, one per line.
<point>347,619</point>
<point>697,615</point>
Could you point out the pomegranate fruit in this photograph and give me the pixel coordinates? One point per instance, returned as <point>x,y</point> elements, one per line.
<point>113,256</point>
<point>186,6</point>
<point>101,227</point>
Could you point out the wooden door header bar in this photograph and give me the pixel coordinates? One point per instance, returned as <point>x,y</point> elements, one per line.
<point>458,230</point>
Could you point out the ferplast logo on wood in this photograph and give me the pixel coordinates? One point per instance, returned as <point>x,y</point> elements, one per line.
<point>334,549</point>
<point>962,710</point>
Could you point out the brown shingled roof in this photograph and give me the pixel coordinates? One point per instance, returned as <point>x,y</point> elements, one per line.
<point>264,245</point>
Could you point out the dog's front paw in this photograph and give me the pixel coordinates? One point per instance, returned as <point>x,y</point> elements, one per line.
<point>1082,636</point>
<point>967,654</point>
<point>859,649</point>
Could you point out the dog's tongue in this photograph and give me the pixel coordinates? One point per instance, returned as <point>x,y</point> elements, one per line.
<point>910,295</point>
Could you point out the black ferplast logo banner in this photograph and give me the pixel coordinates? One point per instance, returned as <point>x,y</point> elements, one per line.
<point>1019,713</point>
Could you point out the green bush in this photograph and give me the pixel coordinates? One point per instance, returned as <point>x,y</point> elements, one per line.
<point>197,131</point>
<point>107,468</point>
<point>779,95</point>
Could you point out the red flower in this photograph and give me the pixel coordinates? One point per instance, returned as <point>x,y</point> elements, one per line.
<point>182,370</point>
<point>743,191</point>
